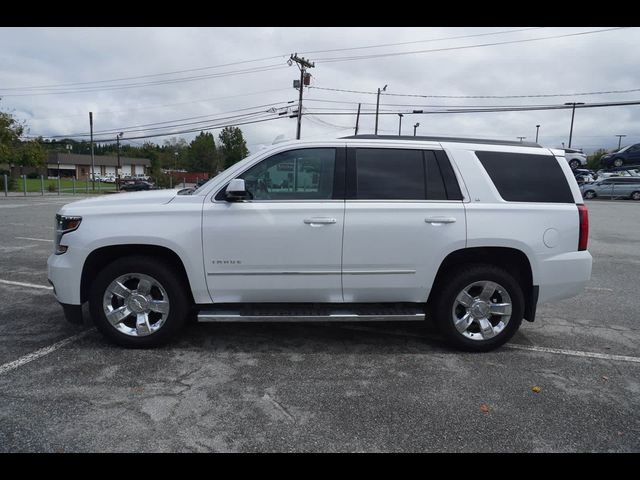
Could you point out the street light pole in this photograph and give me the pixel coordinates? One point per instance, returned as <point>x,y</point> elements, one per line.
<point>573,112</point>
<point>400,125</point>
<point>118,167</point>
<point>537,131</point>
<point>620,140</point>
<point>378,106</point>
<point>415,128</point>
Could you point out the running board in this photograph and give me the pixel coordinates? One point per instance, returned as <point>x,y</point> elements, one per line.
<point>315,313</point>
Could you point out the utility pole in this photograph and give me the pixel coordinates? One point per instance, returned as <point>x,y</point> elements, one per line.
<point>358,119</point>
<point>303,64</point>
<point>400,125</point>
<point>118,167</point>
<point>93,170</point>
<point>573,112</point>
<point>378,106</point>
<point>415,127</point>
<point>620,140</point>
<point>537,131</point>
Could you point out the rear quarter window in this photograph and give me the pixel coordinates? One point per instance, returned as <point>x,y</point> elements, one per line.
<point>523,177</point>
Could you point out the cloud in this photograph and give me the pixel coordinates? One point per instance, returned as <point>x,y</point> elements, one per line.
<point>51,56</point>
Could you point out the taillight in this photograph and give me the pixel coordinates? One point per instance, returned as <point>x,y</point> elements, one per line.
<point>584,227</point>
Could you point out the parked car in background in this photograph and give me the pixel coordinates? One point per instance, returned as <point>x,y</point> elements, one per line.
<point>584,175</point>
<point>109,179</point>
<point>137,185</point>
<point>574,157</point>
<point>629,155</point>
<point>627,171</point>
<point>613,187</point>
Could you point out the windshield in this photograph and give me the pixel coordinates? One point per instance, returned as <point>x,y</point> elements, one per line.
<point>624,148</point>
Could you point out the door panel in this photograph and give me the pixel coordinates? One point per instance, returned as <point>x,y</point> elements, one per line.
<point>391,253</point>
<point>269,252</point>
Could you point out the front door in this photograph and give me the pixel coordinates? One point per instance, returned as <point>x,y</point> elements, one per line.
<point>404,214</point>
<point>284,245</point>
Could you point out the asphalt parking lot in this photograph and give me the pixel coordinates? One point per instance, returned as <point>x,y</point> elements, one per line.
<point>321,387</point>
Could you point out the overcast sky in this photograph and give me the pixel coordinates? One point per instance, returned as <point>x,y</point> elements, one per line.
<point>52,78</point>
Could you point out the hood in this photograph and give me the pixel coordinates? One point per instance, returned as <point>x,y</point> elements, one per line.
<point>150,197</point>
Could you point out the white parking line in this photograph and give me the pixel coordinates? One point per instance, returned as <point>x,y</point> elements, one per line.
<point>7,367</point>
<point>599,289</point>
<point>35,239</point>
<point>24,284</point>
<point>574,353</point>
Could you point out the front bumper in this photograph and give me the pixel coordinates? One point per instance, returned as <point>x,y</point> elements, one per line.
<point>65,274</point>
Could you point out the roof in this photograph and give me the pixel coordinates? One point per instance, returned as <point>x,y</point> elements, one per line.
<point>99,160</point>
<point>446,139</point>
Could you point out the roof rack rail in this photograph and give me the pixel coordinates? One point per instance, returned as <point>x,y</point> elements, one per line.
<point>445,139</point>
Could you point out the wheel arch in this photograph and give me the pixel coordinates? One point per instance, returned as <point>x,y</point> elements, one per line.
<point>102,256</point>
<point>511,259</point>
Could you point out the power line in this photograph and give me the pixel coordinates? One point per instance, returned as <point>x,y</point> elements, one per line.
<point>151,107</point>
<point>423,41</point>
<point>490,110</point>
<point>541,95</point>
<point>128,128</point>
<point>141,76</point>
<point>147,84</point>
<point>445,49</point>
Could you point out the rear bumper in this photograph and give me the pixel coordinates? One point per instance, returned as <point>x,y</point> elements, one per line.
<point>563,276</point>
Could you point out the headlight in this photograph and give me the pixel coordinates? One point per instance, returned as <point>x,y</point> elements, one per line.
<point>64,224</point>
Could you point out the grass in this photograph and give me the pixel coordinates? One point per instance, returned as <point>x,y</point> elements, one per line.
<point>66,185</point>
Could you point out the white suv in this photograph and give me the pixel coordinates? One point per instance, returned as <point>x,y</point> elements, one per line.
<point>471,233</point>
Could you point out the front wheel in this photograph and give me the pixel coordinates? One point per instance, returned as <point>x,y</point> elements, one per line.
<point>635,196</point>
<point>617,162</point>
<point>479,307</point>
<point>138,302</point>
<point>589,194</point>
<point>574,164</point>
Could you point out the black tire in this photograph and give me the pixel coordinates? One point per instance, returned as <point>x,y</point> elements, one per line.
<point>165,275</point>
<point>635,195</point>
<point>454,283</point>
<point>589,194</point>
<point>618,162</point>
<point>574,164</point>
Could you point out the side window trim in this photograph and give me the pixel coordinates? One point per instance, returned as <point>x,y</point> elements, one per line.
<point>338,180</point>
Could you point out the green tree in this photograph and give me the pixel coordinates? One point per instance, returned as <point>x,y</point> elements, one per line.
<point>30,154</point>
<point>202,155</point>
<point>233,147</point>
<point>10,132</point>
<point>593,160</point>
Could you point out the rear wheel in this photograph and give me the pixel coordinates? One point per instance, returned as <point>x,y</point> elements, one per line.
<point>589,194</point>
<point>138,302</point>
<point>479,307</point>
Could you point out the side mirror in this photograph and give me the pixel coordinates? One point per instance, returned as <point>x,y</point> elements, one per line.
<point>236,191</point>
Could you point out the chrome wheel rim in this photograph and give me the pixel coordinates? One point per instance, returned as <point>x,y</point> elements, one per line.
<point>589,194</point>
<point>617,163</point>
<point>481,310</point>
<point>136,304</point>
<point>636,196</point>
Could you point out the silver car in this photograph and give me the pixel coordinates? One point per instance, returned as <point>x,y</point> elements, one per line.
<point>613,187</point>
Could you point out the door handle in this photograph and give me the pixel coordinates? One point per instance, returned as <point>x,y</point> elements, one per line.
<point>439,220</point>
<point>319,221</point>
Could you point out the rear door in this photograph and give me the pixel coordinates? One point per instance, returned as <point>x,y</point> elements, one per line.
<point>403,215</point>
